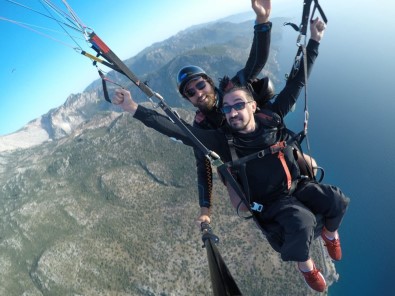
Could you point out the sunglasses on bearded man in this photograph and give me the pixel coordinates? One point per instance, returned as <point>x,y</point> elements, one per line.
<point>190,92</point>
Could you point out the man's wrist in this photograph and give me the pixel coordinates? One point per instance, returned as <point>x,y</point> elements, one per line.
<point>263,27</point>
<point>204,211</point>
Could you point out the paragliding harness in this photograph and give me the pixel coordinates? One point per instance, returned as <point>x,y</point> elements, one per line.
<point>237,169</point>
<point>302,29</point>
<point>257,87</point>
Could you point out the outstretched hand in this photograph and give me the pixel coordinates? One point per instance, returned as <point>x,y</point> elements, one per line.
<point>123,98</point>
<point>317,28</point>
<point>262,10</point>
<point>202,219</point>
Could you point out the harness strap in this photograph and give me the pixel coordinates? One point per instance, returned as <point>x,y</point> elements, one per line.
<point>104,85</point>
<point>302,28</point>
<point>286,169</point>
<point>278,147</point>
<point>244,195</point>
<point>231,147</point>
<point>240,163</point>
<point>225,172</point>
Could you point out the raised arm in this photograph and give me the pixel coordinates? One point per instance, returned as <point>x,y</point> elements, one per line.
<point>296,81</point>
<point>262,10</point>
<point>205,186</point>
<point>150,118</point>
<point>124,99</point>
<point>162,124</point>
<point>260,47</point>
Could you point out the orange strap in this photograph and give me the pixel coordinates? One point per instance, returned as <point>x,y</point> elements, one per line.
<point>278,147</point>
<point>286,169</point>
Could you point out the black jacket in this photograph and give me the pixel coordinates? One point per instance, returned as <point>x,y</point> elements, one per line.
<point>264,184</point>
<point>214,119</point>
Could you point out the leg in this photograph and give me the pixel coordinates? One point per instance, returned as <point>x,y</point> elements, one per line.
<point>291,225</point>
<point>324,199</point>
<point>330,202</point>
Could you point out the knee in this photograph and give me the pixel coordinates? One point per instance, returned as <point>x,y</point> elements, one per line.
<point>296,246</point>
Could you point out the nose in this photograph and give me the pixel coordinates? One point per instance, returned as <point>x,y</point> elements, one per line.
<point>199,92</point>
<point>233,112</point>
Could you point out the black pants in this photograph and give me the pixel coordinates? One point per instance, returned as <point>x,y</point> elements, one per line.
<point>290,222</point>
<point>323,199</point>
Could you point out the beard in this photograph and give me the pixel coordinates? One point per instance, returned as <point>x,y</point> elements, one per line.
<point>208,103</point>
<point>237,124</point>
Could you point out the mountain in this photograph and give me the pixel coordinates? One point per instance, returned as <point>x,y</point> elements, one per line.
<point>220,48</point>
<point>94,203</point>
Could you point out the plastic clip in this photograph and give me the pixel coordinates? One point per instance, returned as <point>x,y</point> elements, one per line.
<point>256,207</point>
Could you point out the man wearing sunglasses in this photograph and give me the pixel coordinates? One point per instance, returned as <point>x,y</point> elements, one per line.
<point>283,205</point>
<point>199,89</point>
<point>283,209</point>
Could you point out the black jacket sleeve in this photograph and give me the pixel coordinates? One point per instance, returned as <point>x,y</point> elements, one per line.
<point>164,125</point>
<point>259,53</point>
<point>295,83</point>
<point>204,178</point>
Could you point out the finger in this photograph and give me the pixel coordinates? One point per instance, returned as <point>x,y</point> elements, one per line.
<point>321,26</point>
<point>119,92</point>
<point>118,99</point>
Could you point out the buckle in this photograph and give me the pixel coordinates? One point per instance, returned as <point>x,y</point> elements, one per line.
<point>256,207</point>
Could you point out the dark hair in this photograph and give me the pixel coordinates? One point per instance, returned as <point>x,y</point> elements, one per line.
<point>225,83</point>
<point>234,88</point>
<point>261,90</point>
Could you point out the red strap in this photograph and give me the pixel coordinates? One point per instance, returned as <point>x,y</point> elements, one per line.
<point>286,169</point>
<point>278,147</point>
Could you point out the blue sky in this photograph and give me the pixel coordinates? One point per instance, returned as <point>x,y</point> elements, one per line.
<point>354,72</point>
<point>38,74</point>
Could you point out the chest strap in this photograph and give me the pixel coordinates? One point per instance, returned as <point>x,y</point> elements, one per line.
<point>240,162</point>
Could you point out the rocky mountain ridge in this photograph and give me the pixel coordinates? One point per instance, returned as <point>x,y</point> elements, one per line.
<point>94,203</point>
<point>219,47</point>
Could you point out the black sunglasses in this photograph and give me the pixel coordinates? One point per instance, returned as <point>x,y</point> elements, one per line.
<point>238,106</point>
<point>192,91</point>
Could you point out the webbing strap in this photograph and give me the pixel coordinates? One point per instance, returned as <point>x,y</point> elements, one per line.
<point>276,148</point>
<point>286,169</point>
<point>104,85</point>
<point>306,111</point>
<point>302,28</point>
<point>260,154</point>
<point>231,147</point>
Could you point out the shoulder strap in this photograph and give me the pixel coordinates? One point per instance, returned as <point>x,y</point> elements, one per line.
<point>241,170</point>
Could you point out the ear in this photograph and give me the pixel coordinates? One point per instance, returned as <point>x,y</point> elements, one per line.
<point>253,106</point>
